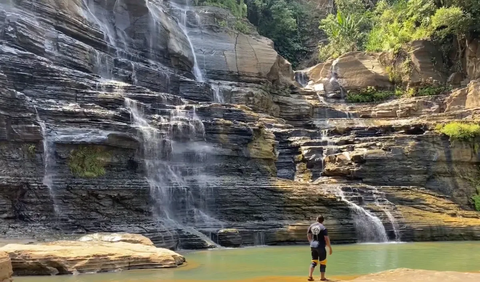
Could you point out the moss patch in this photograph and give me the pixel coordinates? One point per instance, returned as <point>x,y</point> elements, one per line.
<point>88,162</point>
<point>460,131</point>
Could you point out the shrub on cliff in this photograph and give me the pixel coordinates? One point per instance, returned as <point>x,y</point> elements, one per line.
<point>476,202</point>
<point>88,162</point>
<point>460,131</point>
<point>391,24</point>
<point>370,94</point>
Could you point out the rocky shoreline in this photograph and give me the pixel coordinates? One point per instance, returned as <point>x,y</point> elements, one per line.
<point>93,253</point>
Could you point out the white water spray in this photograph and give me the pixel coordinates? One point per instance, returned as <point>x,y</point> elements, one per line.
<point>369,228</point>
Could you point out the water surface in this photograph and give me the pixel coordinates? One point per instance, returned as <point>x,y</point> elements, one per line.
<point>291,263</point>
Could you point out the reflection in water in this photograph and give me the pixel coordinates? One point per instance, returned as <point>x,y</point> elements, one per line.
<point>282,264</point>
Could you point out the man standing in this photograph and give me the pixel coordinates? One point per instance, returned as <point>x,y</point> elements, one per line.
<point>317,235</point>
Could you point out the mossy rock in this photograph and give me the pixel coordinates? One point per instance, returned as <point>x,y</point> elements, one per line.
<point>88,161</point>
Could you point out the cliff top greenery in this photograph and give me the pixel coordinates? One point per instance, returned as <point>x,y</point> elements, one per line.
<point>390,24</point>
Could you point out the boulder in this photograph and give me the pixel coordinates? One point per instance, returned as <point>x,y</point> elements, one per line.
<point>355,70</point>
<point>426,63</point>
<point>229,238</point>
<point>70,257</point>
<point>5,267</point>
<point>464,98</point>
<point>117,237</point>
<point>227,54</point>
<point>472,57</point>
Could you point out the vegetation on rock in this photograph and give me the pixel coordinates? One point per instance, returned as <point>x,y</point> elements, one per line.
<point>476,201</point>
<point>460,131</point>
<point>88,162</point>
<point>390,24</point>
<point>370,94</point>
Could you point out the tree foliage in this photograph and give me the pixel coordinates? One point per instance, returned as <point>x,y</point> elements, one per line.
<point>390,24</point>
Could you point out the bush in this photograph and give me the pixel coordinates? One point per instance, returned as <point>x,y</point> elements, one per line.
<point>426,91</point>
<point>88,162</point>
<point>369,95</point>
<point>476,202</point>
<point>460,131</point>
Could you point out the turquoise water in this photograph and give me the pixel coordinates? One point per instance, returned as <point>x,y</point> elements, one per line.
<point>293,261</point>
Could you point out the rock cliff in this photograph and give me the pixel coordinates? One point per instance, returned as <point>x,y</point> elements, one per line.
<point>151,117</point>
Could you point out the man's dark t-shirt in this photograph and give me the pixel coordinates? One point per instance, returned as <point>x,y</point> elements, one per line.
<point>318,232</point>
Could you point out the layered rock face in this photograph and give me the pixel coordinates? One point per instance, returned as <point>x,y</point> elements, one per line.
<point>102,129</point>
<point>149,117</point>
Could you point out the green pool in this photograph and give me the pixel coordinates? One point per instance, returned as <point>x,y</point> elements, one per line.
<point>292,262</point>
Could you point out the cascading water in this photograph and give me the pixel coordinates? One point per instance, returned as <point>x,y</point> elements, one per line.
<point>217,94</point>
<point>391,218</point>
<point>302,78</point>
<point>182,22</point>
<point>368,227</point>
<point>47,162</point>
<point>169,163</point>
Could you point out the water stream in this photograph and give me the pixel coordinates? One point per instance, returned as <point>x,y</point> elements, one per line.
<point>368,227</point>
<point>183,23</point>
<point>47,162</point>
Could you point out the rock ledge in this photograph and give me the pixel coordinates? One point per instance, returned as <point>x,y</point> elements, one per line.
<point>72,257</point>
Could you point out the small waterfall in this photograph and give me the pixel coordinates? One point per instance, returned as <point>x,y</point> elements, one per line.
<point>391,218</point>
<point>217,94</point>
<point>302,78</point>
<point>182,10</point>
<point>47,174</point>
<point>259,238</point>
<point>91,12</point>
<point>369,228</point>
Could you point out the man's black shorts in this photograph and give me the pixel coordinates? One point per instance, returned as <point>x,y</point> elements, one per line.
<point>319,254</point>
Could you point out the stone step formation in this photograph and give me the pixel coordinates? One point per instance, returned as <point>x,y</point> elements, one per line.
<point>148,117</point>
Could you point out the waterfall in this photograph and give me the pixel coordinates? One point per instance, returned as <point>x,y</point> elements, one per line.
<point>259,238</point>
<point>302,78</point>
<point>183,23</point>
<point>172,167</point>
<point>217,94</point>
<point>47,173</point>
<point>368,227</point>
<point>391,218</point>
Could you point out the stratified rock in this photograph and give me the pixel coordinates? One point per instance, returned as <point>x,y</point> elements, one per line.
<point>5,267</point>
<point>70,257</point>
<point>117,237</point>
<point>229,238</point>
